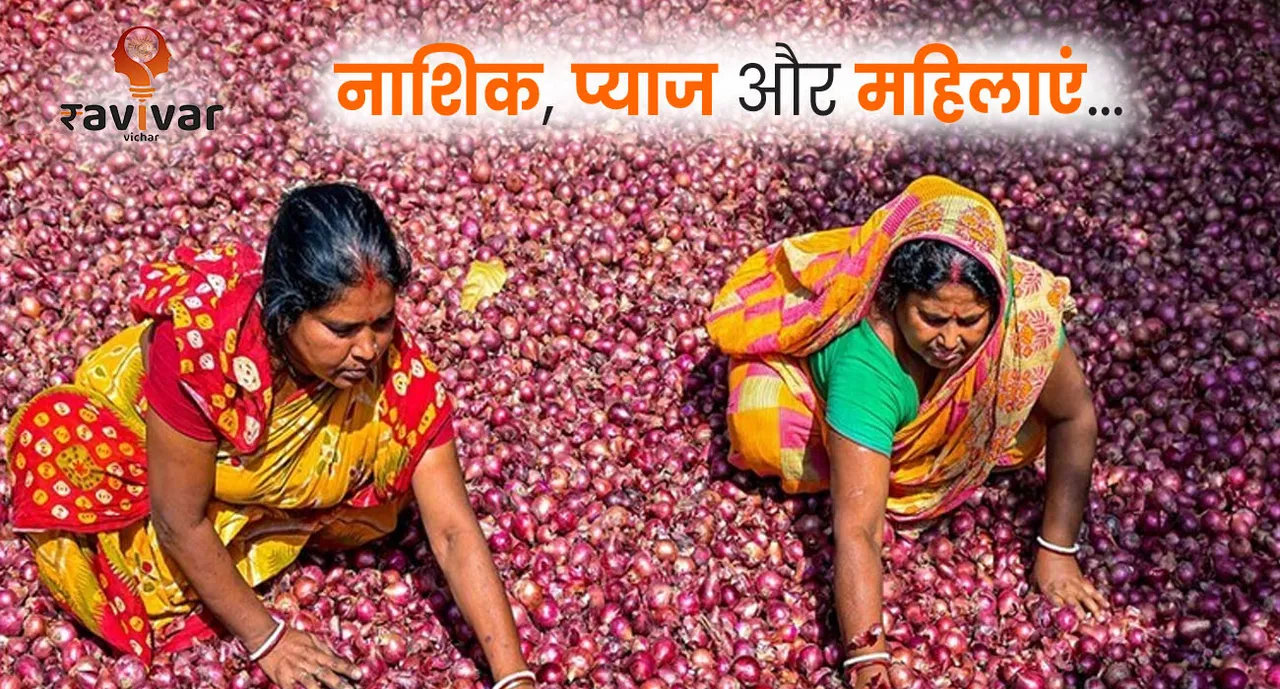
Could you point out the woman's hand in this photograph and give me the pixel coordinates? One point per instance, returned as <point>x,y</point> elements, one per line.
<point>301,661</point>
<point>1066,406</point>
<point>463,554</point>
<point>1060,580</point>
<point>859,490</point>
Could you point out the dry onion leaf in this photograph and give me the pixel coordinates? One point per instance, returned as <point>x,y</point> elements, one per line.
<point>484,279</point>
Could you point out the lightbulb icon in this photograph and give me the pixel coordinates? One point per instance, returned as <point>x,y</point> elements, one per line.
<point>141,54</point>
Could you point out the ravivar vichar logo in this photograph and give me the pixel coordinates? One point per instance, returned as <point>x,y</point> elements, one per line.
<point>141,55</point>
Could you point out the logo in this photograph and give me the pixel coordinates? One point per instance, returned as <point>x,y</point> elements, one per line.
<point>141,55</point>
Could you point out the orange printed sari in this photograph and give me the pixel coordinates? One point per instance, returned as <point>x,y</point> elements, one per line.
<point>794,297</point>
<point>295,466</point>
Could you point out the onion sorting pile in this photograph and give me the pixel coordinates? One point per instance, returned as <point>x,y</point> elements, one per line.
<point>590,404</point>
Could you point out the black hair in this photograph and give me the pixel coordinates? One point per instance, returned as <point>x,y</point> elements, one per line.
<point>325,238</point>
<point>923,265</point>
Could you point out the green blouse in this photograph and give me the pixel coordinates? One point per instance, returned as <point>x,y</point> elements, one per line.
<point>868,395</point>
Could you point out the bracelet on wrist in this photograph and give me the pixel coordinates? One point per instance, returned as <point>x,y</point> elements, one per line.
<point>859,661</point>
<point>270,642</point>
<point>516,679</point>
<point>1055,548</point>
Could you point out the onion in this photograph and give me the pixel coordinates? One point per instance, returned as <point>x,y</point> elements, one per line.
<point>128,673</point>
<point>10,622</point>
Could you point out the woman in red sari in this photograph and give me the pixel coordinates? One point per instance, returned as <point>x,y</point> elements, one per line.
<point>255,408</point>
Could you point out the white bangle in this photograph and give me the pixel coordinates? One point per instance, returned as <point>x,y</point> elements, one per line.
<point>270,642</point>
<point>866,658</point>
<point>512,679</point>
<point>1061,550</point>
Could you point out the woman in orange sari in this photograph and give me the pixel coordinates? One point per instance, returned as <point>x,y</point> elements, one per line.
<point>257,407</point>
<point>898,364</point>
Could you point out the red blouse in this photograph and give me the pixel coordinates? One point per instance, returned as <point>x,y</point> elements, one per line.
<point>165,394</point>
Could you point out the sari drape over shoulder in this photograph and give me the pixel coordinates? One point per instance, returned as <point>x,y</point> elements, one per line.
<point>792,298</point>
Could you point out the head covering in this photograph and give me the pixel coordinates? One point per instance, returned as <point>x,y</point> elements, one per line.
<point>794,297</point>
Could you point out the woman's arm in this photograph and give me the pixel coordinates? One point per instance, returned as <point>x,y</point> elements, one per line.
<point>859,490</point>
<point>181,474</point>
<point>463,554</point>
<point>1067,407</point>
<point>181,483</point>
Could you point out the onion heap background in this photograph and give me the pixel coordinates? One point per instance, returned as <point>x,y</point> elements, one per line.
<point>590,404</point>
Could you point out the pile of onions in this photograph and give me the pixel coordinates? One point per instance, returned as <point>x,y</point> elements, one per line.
<point>590,404</point>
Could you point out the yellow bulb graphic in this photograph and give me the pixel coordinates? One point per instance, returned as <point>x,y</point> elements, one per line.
<point>141,54</point>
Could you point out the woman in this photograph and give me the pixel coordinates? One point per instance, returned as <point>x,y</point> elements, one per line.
<point>256,408</point>
<point>898,364</point>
